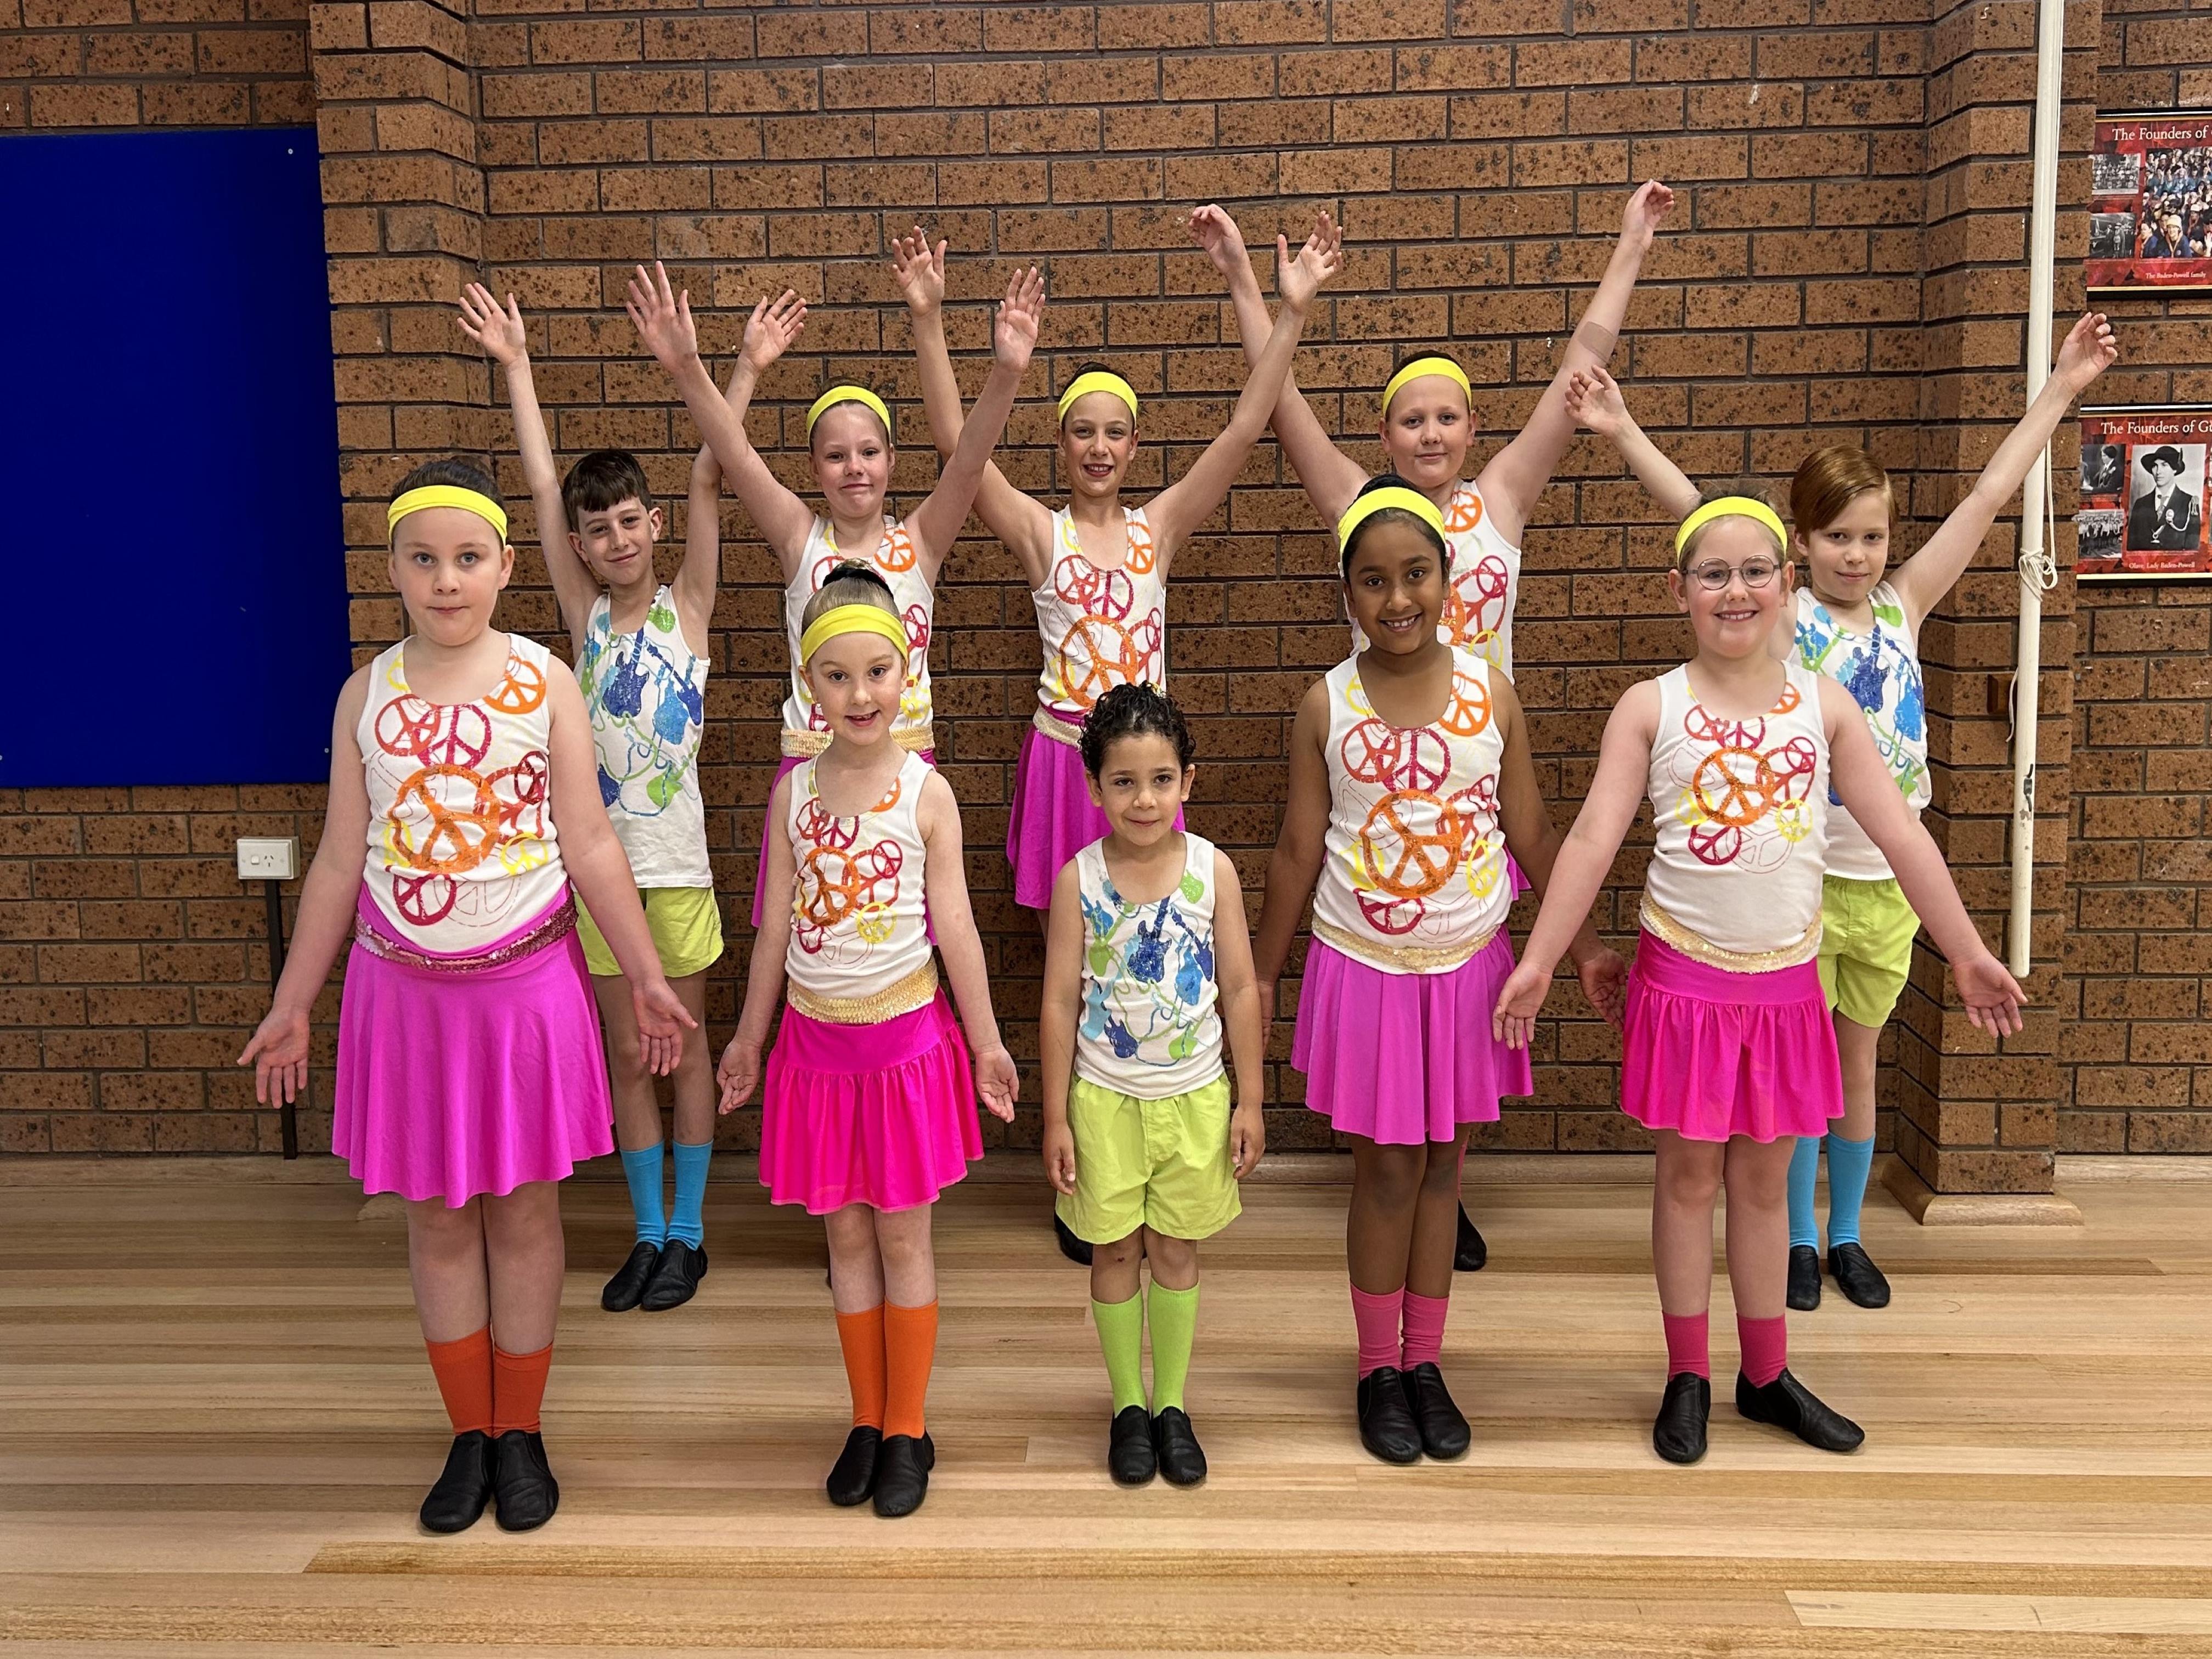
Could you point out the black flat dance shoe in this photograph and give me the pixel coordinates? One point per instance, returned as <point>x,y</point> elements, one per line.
<point>1469,1254</point>
<point>1804,1292</point>
<point>1386,1422</point>
<point>676,1276</point>
<point>1445,1433</point>
<point>1678,1433</point>
<point>853,1476</point>
<point>1131,1457</point>
<point>1857,1276</point>
<point>1182,1459</point>
<point>902,1473</point>
<point>1788,1404</point>
<point>523,1480</point>
<point>627,1288</point>
<point>1070,1246</point>
<point>462,1491</point>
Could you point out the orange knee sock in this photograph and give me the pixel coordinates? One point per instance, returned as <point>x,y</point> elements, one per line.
<point>463,1368</point>
<point>861,1336</point>
<point>910,1349</point>
<point>518,1388</point>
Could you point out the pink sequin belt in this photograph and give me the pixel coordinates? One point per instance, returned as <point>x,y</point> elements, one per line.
<point>551,929</point>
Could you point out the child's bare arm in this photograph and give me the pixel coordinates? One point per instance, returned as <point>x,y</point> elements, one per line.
<point>945,880</point>
<point>1300,846</point>
<point>1593,399</point>
<point>1237,986</point>
<point>935,525</point>
<point>701,572</point>
<point>738,1074</point>
<point>1056,1019</point>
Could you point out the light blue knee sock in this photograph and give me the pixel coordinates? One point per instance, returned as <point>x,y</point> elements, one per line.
<point>686,1222</point>
<point>1849,1162</point>
<point>642,1169</point>
<point>1804,1170</point>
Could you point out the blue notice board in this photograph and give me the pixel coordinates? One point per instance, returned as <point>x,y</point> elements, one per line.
<point>171,431</point>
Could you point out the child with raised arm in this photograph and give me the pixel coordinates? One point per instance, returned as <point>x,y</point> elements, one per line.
<point>1728,1055</point>
<point>1410,780</point>
<point>1146,961</point>
<point>641,651</point>
<point>870,1108</point>
<point>849,450</point>
<point>463,825</point>
<point>1859,625</point>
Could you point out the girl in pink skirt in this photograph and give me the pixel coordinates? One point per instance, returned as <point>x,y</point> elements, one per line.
<point>463,802</point>
<point>870,1111</point>
<point>1729,1054</point>
<point>1410,779</point>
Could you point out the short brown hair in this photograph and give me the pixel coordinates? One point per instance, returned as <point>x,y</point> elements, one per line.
<point>1829,480</point>
<point>601,482</point>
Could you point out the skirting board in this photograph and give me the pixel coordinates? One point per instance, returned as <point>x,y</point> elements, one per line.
<point>1934,1209</point>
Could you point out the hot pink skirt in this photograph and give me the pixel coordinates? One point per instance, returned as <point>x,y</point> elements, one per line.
<point>760,871</point>
<point>451,1085</point>
<point>1712,1054</point>
<point>881,1115</point>
<point>1404,1059</point>
<point>1053,818</point>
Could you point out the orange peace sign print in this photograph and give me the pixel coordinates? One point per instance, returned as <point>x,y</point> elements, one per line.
<point>520,690</point>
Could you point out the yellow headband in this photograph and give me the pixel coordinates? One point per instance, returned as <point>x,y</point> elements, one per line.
<point>1729,507</point>
<point>1098,380</point>
<point>1421,367</point>
<point>851,619</point>
<point>446,495</point>
<point>1376,501</point>
<point>848,394</point>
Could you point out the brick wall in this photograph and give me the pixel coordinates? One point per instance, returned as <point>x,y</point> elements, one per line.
<point>77,65</point>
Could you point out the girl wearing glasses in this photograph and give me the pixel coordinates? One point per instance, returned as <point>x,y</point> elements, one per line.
<point>1728,1055</point>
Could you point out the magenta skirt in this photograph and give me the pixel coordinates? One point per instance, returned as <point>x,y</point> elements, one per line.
<point>1712,1054</point>
<point>882,1114</point>
<point>1053,818</point>
<point>1404,1059</point>
<point>453,1085</point>
<point>760,870</point>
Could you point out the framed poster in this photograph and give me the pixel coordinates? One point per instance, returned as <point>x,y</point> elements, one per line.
<point>2144,499</point>
<point>2150,203</point>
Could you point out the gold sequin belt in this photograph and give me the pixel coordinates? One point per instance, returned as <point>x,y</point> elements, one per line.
<point>917,990</point>
<point>554,926</point>
<point>1406,958</point>
<point>915,739</point>
<point>1695,945</point>
<point>1057,729</point>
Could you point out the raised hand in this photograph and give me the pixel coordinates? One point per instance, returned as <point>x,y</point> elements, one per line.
<point>1298,280</point>
<point>662,1020</point>
<point>1594,400</point>
<point>500,333</point>
<point>279,1052</point>
<point>1519,1001</point>
<point>1992,996</point>
<point>996,1081</point>
<point>770,329</point>
<point>1021,313</point>
<point>1215,231</point>
<point>662,318</point>
<point>1605,985</point>
<point>738,1074</point>
<point>1060,1157</point>
<point>920,269</point>
<point>2089,350</point>
<point>1640,220</point>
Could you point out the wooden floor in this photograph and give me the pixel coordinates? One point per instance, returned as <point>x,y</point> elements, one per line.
<point>215,1423</point>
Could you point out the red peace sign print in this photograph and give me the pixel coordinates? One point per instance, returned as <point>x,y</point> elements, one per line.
<point>1082,585</point>
<point>819,827</point>
<point>1703,727</point>
<point>1792,765</point>
<point>1096,656</point>
<point>1715,843</point>
<point>1477,604</point>
<point>1424,762</point>
<point>1370,751</point>
<point>1478,800</point>
<point>523,788</point>
<point>425,901</point>
<point>1391,915</point>
<point>916,617</point>
<point>408,726</point>
<point>456,838</point>
<point>521,690</point>
<point>1412,842</point>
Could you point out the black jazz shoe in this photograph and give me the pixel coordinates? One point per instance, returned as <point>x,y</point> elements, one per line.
<point>1070,1246</point>
<point>1470,1252</point>
<point>464,1487</point>
<point>1857,1276</point>
<point>1678,1433</point>
<point>853,1476</point>
<point>903,1469</point>
<point>1804,1292</point>
<point>1182,1459</point>
<point>1788,1404</point>
<point>1444,1432</point>
<point>1386,1423</point>
<point>675,1277</point>
<point>1131,1457</point>
<point>627,1288</point>
<point>523,1480</point>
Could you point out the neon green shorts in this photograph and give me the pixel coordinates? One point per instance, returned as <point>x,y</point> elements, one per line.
<point>1866,947</point>
<point>1158,1164</point>
<point>686,924</point>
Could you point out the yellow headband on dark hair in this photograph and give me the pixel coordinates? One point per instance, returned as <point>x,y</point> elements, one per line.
<point>842,619</point>
<point>848,394</point>
<point>458,495</point>
<point>1098,380</point>
<point>1418,368</point>
<point>1729,507</point>
<point>1376,500</point>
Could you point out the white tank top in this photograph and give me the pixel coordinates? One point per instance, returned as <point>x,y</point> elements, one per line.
<point>645,693</point>
<point>1881,671</point>
<point>1740,808</point>
<point>1100,628</point>
<point>1414,881</point>
<point>858,926</point>
<point>1485,583</point>
<point>805,731</point>
<point>461,843</point>
<point>1150,1027</point>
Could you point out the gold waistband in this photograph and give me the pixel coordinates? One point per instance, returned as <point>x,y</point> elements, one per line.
<point>914,739</point>
<point>555,926</point>
<point>917,990</point>
<point>1056,728</point>
<point>1695,945</point>
<point>1406,958</point>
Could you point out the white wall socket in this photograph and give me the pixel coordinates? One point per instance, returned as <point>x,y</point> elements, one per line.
<point>268,857</point>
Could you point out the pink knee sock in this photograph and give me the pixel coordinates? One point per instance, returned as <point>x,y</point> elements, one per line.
<point>1376,1319</point>
<point>1425,1329</point>
<point>1686,1347</point>
<point>1766,1345</point>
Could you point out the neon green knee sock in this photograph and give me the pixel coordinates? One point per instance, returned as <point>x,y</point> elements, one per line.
<point>1122,1334</point>
<point>1173,1315</point>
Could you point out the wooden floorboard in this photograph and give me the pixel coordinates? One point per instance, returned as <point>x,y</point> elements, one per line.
<point>216,1422</point>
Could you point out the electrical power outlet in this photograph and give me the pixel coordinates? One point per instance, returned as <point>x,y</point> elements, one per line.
<point>273,858</point>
